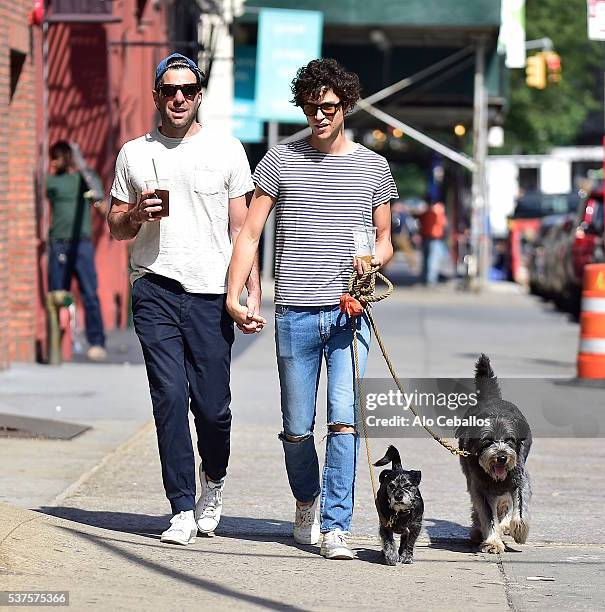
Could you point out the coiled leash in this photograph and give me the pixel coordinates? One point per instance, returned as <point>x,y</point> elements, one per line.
<point>360,296</point>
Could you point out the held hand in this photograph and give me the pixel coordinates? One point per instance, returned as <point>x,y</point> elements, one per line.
<point>253,305</point>
<point>247,321</point>
<point>146,208</point>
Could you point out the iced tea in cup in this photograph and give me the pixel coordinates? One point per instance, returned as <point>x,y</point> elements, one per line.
<point>365,242</point>
<point>160,187</point>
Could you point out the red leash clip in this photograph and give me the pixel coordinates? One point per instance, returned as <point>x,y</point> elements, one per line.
<point>350,305</point>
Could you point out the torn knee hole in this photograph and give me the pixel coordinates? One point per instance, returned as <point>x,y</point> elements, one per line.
<point>288,438</point>
<point>341,428</point>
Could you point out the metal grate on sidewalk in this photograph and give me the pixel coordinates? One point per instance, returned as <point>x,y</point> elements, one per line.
<point>15,426</point>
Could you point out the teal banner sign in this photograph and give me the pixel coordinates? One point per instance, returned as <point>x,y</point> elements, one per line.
<point>246,126</point>
<point>287,40</point>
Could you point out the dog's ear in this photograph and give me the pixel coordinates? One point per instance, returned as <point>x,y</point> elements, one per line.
<point>415,476</point>
<point>384,475</point>
<point>386,459</point>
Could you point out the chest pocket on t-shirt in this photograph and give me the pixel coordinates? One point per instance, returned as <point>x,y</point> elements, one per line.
<point>210,185</point>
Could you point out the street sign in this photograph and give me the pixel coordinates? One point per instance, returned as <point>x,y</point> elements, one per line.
<point>287,40</point>
<point>596,19</point>
<point>246,126</point>
<point>512,33</point>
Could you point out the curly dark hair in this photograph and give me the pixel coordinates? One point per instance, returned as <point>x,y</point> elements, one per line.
<point>321,74</point>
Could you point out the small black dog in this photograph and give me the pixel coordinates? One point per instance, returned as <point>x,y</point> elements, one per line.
<point>400,508</point>
<point>496,475</point>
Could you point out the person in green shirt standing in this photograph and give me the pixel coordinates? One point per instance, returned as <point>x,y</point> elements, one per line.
<point>70,246</point>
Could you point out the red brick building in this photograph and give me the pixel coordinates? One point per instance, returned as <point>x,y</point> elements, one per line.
<point>18,218</point>
<point>84,74</point>
<point>100,66</point>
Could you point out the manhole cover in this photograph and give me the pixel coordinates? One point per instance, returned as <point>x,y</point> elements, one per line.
<point>14,426</point>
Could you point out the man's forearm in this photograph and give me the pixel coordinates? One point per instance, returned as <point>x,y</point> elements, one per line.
<point>121,225</point>
<point>253,285</point>
<point>241,268</point>
<point>384,250</point>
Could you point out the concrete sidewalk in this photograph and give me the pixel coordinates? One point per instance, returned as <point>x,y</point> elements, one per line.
<point>98,535</point>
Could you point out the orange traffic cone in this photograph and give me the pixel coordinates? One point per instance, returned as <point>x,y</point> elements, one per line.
<point>591,354</point>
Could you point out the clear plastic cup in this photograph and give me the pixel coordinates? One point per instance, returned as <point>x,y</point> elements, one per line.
<point>365,242</point>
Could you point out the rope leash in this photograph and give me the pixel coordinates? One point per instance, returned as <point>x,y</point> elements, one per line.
<point>363,288</point>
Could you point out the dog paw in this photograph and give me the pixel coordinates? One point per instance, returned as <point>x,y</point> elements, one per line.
<point>391,558</point>
<point>505,526</point>
<point>406,559</point>
<point>492,546</point>
<point>519,529</point>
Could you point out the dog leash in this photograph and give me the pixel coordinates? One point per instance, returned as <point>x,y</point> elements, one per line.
<point>362,290</point>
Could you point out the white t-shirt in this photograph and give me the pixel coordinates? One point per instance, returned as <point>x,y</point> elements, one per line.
<point>192,245</point>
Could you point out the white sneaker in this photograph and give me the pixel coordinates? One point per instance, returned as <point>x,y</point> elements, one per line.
<point>334,545</point>
<point>210,505</point>
<point>182,529</point>
<point>96,353</point>
<point>306,524</point>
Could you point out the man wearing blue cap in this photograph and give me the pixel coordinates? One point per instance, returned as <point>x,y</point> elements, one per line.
<point>179,264</point>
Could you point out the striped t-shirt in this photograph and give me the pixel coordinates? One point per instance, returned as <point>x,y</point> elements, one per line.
<point>319,199</point>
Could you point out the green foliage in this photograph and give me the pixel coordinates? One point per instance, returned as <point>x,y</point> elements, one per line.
<point>540,119</point>
<point>410,179</point>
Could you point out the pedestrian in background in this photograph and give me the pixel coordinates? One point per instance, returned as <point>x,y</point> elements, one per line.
<point>179,266</point>
<point>71,251</point>
<point>433,224</point>
<point>321,188</point>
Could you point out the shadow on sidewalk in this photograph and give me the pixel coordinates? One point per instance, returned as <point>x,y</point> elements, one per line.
<point>164,570</point>
<point>237,527</point>
<point>448,535</point>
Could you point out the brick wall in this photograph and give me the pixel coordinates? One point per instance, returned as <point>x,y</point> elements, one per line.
<point>4,94</point>
<point>18,260</point>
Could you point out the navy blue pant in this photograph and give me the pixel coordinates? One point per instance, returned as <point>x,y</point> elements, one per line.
<point>67,258</point>
<point>186,340</point>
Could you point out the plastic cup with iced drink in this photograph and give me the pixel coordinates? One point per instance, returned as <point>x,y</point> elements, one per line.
<point>365,242</point>
<point>160,187</point>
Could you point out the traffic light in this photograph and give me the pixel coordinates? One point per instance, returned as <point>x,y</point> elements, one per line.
<point>553,65</point>
<point>535,71</point>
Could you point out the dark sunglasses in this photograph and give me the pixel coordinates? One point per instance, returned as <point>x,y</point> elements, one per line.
<point>328,109</point>
<point>190,90</point>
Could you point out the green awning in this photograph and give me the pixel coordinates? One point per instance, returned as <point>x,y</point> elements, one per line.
<point>397,13</point>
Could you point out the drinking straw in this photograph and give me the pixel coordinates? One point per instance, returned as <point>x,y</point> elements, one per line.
<point>155,170</point>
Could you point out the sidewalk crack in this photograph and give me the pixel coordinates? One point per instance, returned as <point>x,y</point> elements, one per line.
<point>508,584</point>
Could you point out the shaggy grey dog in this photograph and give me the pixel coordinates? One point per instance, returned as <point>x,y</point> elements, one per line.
<point>496,474</point>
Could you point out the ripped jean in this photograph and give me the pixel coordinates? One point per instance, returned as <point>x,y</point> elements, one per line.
<point>303,336</point>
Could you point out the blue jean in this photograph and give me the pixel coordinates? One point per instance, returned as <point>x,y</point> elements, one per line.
<point>67,258</point>
<point>303,336</point>
<point>433,251</point>
<point>186,340</point>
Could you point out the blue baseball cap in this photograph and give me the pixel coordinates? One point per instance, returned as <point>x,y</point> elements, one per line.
<point>177,58</point>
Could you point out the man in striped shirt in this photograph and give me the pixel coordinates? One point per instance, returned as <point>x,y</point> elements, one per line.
<point>321,187</point>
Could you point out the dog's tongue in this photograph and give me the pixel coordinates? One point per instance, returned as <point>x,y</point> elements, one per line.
<point>500,471</point>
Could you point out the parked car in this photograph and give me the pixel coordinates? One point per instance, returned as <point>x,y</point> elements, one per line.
<point>585,244</point>
<point>546,270</point>
<point>524,224</point>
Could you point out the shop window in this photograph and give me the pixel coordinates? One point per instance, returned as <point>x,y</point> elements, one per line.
<point>17,61</point>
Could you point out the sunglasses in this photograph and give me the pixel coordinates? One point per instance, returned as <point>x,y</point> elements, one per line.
<point>328,109</point>
<point>189,90</point>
